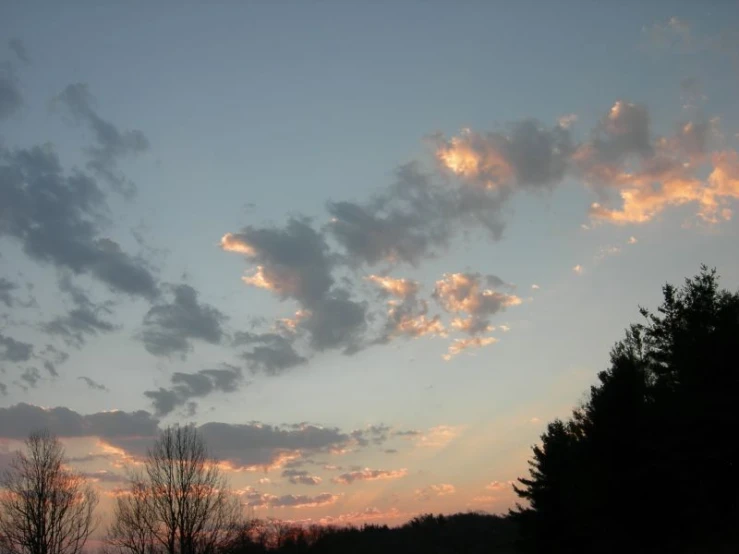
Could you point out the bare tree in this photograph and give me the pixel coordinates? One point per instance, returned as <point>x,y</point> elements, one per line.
<point>44,507</point>
<point>179,504</point>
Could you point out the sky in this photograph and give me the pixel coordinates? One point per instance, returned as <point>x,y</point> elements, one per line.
<point>370,249</point>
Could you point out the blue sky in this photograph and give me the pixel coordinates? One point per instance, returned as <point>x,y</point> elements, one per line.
<point>285,125</point>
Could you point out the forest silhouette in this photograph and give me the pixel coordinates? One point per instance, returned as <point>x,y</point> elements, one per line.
<point>648,463</point>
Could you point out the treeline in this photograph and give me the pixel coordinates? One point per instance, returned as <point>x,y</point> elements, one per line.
<point>649,463</point>
<point>463,533</point>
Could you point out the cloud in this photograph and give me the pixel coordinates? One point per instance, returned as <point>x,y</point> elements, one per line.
<point>241,447</point>
<point>52,357</point>
<point>435,437</point>
<point>399,288</point>
<point>81,322</point>
<point>499,486</point>
<point>606,251</point>
<point>273,353</point>
<point>58,219</point>
<point>186,386</point>
<point>259,446</point>
<point>18,421</point>
<point>19,49</point>
<point>670,34</point>
<point>11,98</point>
<point>94,385</point>
<point>407,315</point>
<point>535,287</point>
<point>169,327</point>
<point>578,269</point>
<point>527,156</point>
<point>258,500</point>
<point>405,223</point>
<point>427,493</point>
<point>300,477</point>
<point>632,240</point>
<point>12,350</point>
<point>465,293</point>
<point>376,434</point>
<point>371,513</point>
<point>30,376</point>
<point>112,144</point>
<point>459,345</point>
<point>6,287</point>
<point>650,174</point>
<point>369,475</point>
<point>419,214</point>
<point>104,476</point>
<point>567,121</point>
<point>294,262</point>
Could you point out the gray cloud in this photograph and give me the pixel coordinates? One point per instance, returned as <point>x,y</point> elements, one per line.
<point>6,288</point>
<point>11,98</point>
<point>18,421</point>
<point>76,326</point>
<point>186,386</point>
<point>250,445</point>
<point>170,327</point>
<point>57,219</point>
<point>19,49</point>
<point>405,223</point>
<point>84,320</point>
<point>51,358</point>
<point>112,144</point>
<point>623,132</point>
<point>273,353</point>
<point>30,376</point>
<point>255,445</point>
<point>12,350</point>
<point>294,260</point>
<point>301,477</point>
<point>94,385</point>
<point>337,322</point>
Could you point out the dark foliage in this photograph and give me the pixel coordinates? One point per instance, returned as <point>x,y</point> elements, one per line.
<point>464,533</point>
<point>650,463</point>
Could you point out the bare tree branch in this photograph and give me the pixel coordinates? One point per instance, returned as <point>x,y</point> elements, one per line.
<point>45,508</point>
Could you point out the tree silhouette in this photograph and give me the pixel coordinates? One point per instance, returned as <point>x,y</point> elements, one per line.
<point>179,504</point>
<point>44,507</point>
<point>650,462</point>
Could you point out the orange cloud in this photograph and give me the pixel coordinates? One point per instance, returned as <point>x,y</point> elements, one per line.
<point>475,158</point>
<point>469,325</point>
<point>431,491</point>
<point>438,436</point>
<point>411,325</point>
<point>282,282</point>
<point>291,324</point>
<point>460,345</point>
<point>460,292</point>
<point>231,243</point>
<point>367,474</point>
<point>368,514</point>
<point>401,288</point>
<point>499,486</point>
<point>652,175</point>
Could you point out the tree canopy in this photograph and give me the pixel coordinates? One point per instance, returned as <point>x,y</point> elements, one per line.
<point>650,461</point>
